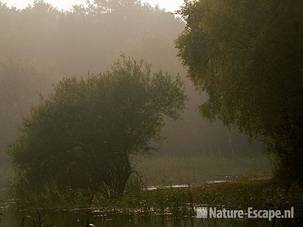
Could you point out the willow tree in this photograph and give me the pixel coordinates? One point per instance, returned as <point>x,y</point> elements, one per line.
<point>247,55</point>
<point>81,136</point>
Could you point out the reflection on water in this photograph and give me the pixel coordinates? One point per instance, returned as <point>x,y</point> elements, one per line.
<point>74,219</point>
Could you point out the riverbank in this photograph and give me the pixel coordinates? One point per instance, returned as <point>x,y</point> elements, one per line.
<point>237,194</point>
<point>179,202</point>
<point>260,194</point>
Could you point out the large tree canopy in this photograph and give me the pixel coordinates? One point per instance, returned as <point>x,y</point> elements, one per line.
<point>247,55</point>
<point>82,134</point>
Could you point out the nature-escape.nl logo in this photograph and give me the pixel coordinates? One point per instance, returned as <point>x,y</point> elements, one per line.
<point>250,213</point>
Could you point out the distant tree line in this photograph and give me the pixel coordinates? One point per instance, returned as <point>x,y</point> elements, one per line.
<point>40,45</point>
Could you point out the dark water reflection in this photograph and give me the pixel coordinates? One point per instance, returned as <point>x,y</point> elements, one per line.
<point>68,219</point>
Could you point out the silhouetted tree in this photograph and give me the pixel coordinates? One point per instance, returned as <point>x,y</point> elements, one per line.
<point>81,135</point>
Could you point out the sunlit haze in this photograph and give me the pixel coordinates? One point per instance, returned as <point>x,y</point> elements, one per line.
<point>135,112</point>
<point>170,5</point>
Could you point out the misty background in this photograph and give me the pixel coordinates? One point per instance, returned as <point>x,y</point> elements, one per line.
<point>39,45</point>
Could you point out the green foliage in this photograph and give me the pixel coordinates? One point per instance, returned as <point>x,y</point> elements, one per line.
<point>247,55</point>
<point>80,136</point>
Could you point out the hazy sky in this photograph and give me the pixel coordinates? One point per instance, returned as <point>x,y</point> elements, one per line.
<point>170,5</point>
